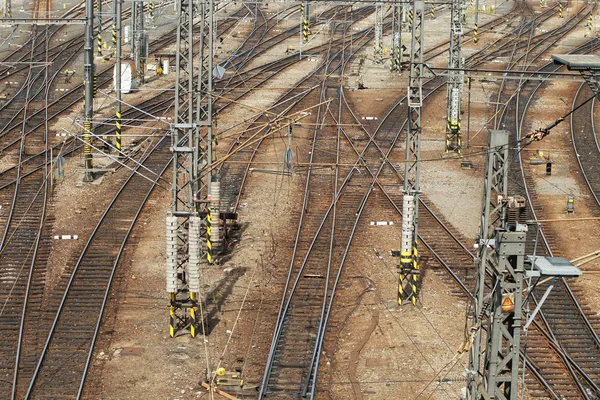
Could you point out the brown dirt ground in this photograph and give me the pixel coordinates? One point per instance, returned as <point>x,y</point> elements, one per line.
<point>390,351</point>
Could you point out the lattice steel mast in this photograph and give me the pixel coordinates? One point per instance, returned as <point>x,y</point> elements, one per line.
<point>455,79</point>
<point>409,259</point>
<point>396,57</point>
<point>192,159</point>
<point>378,43</point>
<point>140,39</point>
<point>501,256</point>
<point>88,82</point>
<point>6,9</point>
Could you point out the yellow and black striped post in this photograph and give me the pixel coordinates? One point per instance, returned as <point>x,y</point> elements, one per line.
<point>410,18</point>
<point>95,86</point>
<point>151,10</point>
<point>302,16</point>
<point>591,22</point>
<point>409,276</point>
<point>405,259</point>
<point>400,288</point>
<point>118,117</point>
<point>415,275</point>
<point>396,60</point>
<point>560,10</point>
<point>141,74</point>
<point>448,135</point>
<point>475,34</point>
<point>305,30</point>
<point>193,315</point>
<point>453,133</point>
<point>100,43</point>
<point>172,316</point>
<point>432,12</point>
<point>209,253</point>
<point>87,149</point>
<point>377,48</point>
<point>114,35</point>
<point>99,26</point>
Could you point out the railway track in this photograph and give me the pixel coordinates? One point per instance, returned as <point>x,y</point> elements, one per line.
<point>343,225</point>
<point>562,318</point>
<point>318,254</point>
<point>70,361</point>
<point>23,249</point>
<point>303,342</point>
<point>62,367</point>
<point>288,370</point>
<point>585,142</point>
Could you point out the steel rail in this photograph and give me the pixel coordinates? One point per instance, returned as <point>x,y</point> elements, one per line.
<point>36,245</point>
<point>594,125</point>
<point>21,332</point>
<point>147,105</point>
<point>285,304</point>
<point>519,122</point>
<point>284,307</point>
<point>534,370</point>
<point>464,288</point>
<point>91,347</point>
<point>117,259</point>
<point>78,264</point>
<point>107,71</point>
<point>57,102</point>
<point>579,151</point>
<point>546,243</point>
<point>567,365</point>
<point>375,177</point>
<point>311,245</point>
<point>7,129</point>
<point>33,251</point>
<point>275,335</point>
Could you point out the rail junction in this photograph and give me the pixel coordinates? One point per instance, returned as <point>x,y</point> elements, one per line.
<point>348,200</point>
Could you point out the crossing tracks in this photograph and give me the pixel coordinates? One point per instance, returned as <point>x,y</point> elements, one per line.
<point>349,168</point>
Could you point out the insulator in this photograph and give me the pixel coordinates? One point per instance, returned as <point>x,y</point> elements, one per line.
<point>455,102</point>
<point>452,380</point>
<point>215,232</point>
<point>171,262</point>
<point>194,247</point>
<point>408,223</point>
